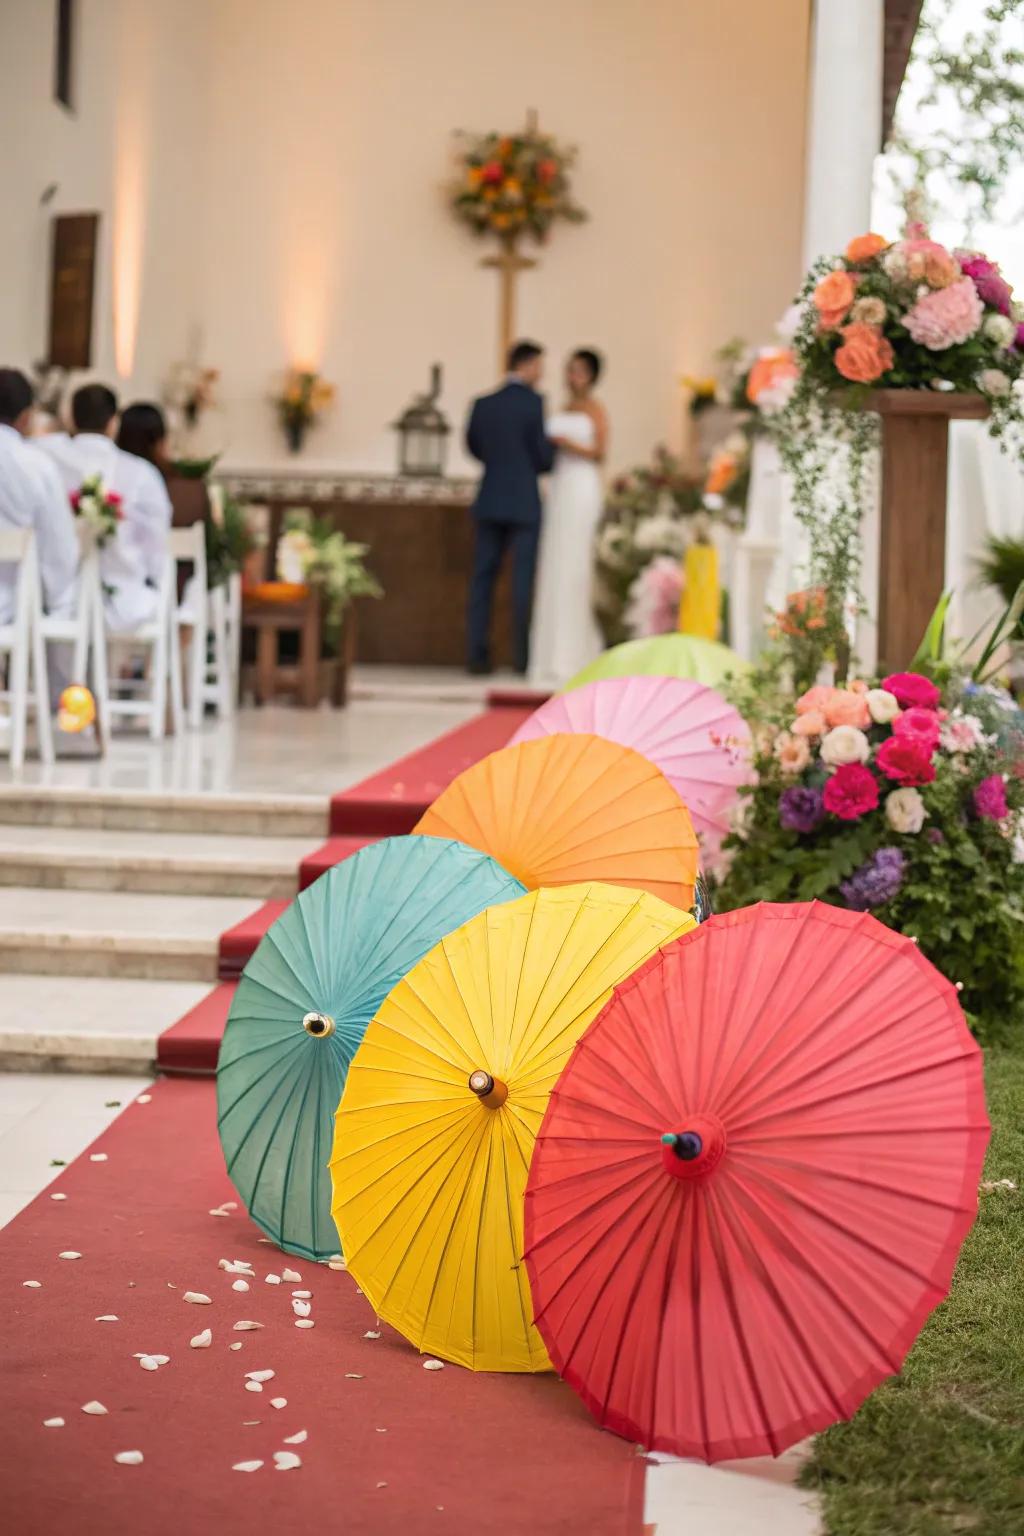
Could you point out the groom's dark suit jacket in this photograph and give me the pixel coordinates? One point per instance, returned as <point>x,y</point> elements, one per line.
<point>506,433</point>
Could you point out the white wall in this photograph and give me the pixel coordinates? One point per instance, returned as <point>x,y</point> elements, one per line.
<point>271,177</point>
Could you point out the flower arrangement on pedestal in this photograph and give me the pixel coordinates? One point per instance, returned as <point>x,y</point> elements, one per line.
<point>312,551</point>
<point>303,398</point>
<point>513,184</point>
<point>904,315</point>
<point>99,509</point>
<point>644,530</point>
<point>898,797</point>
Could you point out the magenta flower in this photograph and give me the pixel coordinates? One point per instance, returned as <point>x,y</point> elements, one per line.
<point>990,799</point>
<point>990,283</point>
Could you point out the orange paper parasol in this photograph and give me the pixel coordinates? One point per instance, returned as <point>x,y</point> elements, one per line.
<point>565,809</point>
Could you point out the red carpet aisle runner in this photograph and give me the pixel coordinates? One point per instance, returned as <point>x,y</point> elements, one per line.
<point>385,805</point>
<point>391,1447</point>
<point>392,802</point>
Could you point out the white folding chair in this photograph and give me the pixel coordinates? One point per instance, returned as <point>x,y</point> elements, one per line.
<point>84,632</point>
<point>160,636</point>
<point>22,642</point>
<point>188,545</point>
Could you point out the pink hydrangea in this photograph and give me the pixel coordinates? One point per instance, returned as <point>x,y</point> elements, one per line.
<point>990,799</point>
<point>947,317</point>
<point>988,280</point>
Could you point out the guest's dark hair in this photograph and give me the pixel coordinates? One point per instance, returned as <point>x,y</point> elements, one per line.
<point>523,352</point>
<point>142,428</point>
<point>16,396</point>
<point>93,408</point>
<point>591,360</point>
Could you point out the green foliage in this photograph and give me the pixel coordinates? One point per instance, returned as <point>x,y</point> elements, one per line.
<point>1002,567</point>
<point>195,469</point>
<point>959,127</point>
<point>939,1449</point>
<point>333,563</point>
<point>228,539</point>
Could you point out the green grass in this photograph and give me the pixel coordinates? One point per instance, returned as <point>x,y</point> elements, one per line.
<point>940,1449</point>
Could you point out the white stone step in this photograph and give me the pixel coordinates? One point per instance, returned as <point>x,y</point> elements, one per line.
<point>88,1023</point>
<point>141,810</point>
<point>114,933</point>
<point>97,859</point>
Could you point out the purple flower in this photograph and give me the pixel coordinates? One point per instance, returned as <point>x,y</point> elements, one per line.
<point>935,836</point>
<point>990,799</point>
<point>800,809</point>
<point>876,882</point>
<point>1020,336</point>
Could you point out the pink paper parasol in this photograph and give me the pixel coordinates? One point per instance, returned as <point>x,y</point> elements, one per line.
<point>700,743</point>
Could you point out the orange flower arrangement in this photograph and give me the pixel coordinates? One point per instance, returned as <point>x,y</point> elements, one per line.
<point>832,298</point>
<point>513,183</point>
<point>864,248</point>
<point>864,355</point>
<point>722,471</point>
<point>803,611</point>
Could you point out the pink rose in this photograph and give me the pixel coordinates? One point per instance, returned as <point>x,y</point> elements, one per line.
<point>851,792</point>
<point>946,317</point>
<point>922,725</point>
<point>911,690</point>
<point>815,698</point>
<point>847,708</point>
<point>813,723</point>
<point>906,760</point>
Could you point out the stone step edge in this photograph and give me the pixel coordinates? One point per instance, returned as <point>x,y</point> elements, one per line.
<point>121,943</point>
<point>183,864</point>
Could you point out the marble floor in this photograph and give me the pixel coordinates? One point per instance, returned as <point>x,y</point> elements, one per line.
<point>280,749</point>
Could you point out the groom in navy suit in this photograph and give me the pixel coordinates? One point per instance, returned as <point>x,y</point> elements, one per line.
<point>506,433</point>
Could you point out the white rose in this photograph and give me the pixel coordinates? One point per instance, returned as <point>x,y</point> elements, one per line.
<point>882,705</point>
<point>1000,329</point>
<point>993,381</point>
<point>845,744</point>
<point>904,810</point>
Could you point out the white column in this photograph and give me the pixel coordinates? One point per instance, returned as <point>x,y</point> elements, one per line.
<point>843,123</point>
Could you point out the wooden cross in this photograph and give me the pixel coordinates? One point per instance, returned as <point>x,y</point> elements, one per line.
<point>509,263</point>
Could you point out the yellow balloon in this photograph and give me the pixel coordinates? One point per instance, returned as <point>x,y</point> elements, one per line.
<point>76,709</point>
<point>429,1168</point>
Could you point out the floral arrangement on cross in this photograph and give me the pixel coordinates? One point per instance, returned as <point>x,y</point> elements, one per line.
<point>509,185</point>
<point>98,509</point>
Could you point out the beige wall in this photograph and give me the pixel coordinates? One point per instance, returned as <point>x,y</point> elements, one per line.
<point>294,157</point>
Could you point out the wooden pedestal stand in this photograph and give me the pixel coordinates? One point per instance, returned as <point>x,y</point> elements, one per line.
<point>912,532</point>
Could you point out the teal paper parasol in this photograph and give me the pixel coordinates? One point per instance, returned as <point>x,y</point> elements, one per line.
<point>302,1007</point>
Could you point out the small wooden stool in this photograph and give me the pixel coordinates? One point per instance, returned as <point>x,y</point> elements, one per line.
<point>297,610</point>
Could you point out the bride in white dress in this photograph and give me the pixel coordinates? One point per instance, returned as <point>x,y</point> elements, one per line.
<point>564,636</point>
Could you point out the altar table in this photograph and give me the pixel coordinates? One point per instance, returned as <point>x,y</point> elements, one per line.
<point>420,538</point>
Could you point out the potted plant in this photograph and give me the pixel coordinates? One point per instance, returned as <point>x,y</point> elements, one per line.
<point>311,550</point>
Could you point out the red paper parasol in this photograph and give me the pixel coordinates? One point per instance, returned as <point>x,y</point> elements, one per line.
<point>753,1180</point>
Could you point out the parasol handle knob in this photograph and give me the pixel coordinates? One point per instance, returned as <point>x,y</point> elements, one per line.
<point>319,1025</point>
<point>694,1153</point>
<point>491,1091</point>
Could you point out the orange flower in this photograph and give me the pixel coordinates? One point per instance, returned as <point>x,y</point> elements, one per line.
<point>812,723</point>
<point>474,176</point>
<point>864,248</point>
<point>833,297</point>
<point>501,220</point>
<point>803,611</point>
<point>770,370</point>
<point>721,474</point>
<point>864,355</point>
<point>847,708</point>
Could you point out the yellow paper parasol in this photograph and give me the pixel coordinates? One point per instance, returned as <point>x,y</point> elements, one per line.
<point>566,808</point>
<point>443,1101</point>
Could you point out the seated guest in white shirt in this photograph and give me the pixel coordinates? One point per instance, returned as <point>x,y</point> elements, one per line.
<point>32,495</point>
<point>132,562</point>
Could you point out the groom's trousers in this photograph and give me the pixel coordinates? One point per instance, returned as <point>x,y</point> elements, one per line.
<point>493,540</point>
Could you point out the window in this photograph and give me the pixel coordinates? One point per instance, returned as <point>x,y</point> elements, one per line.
<point>64,61</point>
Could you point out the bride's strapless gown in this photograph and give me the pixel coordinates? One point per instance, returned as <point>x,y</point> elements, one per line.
<point>564,636</point>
